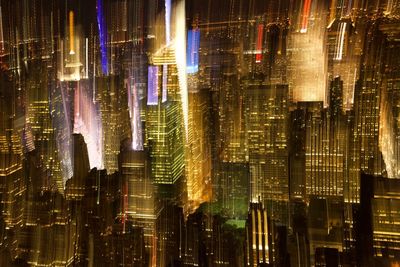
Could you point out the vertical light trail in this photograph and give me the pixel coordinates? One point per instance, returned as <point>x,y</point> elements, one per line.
<point>353,87</point>
<point>164,83</point>
<point>137,125</point>
<point>98,187</point>
<point>52,32</point>
<point>130,100</point>
<point>306,13</point>
<point>180,56</point>
<point>62,60</point>
<point>167,42</point>
<point>102,36</point>
<point>111,54</point>
<point>77,103</point>
<point>86,122</point>
<point>193,45</point>
<point>152,85</point>
<point>1,31</point>
<point>389,7</point>
<point>17,52</point>
<point>86,58</point>
<point>71,33</point>
<point>349,7</point>
<point>260,31</point>
<point>332,14</point>
<point>94,75</point>
<point>125,204</point>
<point>342,33</point>
<point>167,21</point>
<point>340,41</point>
<point>134,113</point>
<point>387,139</point>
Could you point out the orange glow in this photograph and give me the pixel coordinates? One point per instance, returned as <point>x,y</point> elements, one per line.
<point>71,33</point>
<point>306,13</point>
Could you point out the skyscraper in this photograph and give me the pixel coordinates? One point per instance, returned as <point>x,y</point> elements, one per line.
<point>266,115</point>
<point>164,120</point>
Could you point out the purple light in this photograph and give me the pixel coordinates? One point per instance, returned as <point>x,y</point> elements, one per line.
<point>88,123</point>
<point>164,83</point>
<point>103,36</point>
<point>152,86</point>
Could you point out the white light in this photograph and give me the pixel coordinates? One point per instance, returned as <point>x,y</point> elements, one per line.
<point>180,57</point>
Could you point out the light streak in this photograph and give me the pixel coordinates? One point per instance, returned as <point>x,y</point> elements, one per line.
<point>86,58</point>
<point>349,7</point>
<point>167,21</point>
<point>1,31</point>
<point>260,31</point>
<point>340,41</point>
<point>387,137</point>
<point>102,36</point>
<point>94,76</point>
<point>134,113</point>
<point>193,46</point>
<point>353,86</point>
<point>389,7</point>
<point>164,83</point>
<point>71,33</point>
<point>18,56</point>
<point>332,11</point>
<point>152,86</point>
<point>125,204</point>
<point>52,32</point>
<point>61,60</point>
<point>306,13</point>
<point>87,123</point>
<point>180,56</point>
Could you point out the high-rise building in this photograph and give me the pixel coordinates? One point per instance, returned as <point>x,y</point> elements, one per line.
<point>266,119</point>
<point>376,220</point>
<point>170,235</point>
<point>198,154</point>
<point>12,183</point>
<point>40,123</point>
<point>164,119</point>
<point>366,153</point>
<point>257,244</point>
<point>234,194</point>
<point>77,184</point>
<point>114,114</point>
<point>318,142</point>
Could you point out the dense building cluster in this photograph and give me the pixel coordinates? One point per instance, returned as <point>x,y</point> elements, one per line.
<point>199,133</point>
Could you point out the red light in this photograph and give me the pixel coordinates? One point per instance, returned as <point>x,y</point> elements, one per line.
<point>259,43</point>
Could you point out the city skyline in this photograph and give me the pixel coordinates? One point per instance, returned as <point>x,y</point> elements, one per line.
<point>200,133</point>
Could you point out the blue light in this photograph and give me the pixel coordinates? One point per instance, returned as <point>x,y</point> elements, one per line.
<point>103,36</point>
<point>192,54</point>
